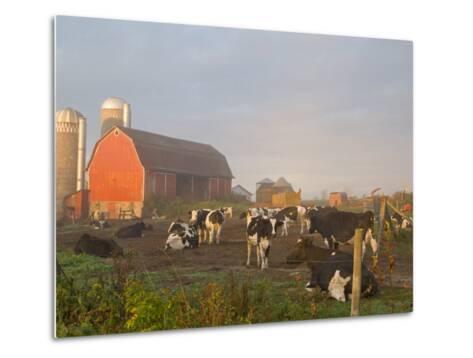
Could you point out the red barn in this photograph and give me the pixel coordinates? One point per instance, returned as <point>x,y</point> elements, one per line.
<point>128,163</point>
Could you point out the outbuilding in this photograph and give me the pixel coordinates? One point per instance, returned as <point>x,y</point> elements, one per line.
<point>126,164</point>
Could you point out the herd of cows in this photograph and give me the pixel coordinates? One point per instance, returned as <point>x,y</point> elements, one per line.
<point>331,268</point>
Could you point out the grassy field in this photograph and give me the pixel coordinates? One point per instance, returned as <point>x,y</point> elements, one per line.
<point>97,296</point>
<point>149,290</point>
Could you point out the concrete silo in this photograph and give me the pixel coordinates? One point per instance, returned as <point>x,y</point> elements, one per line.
<point>114,111</point>
<point>70,155</point>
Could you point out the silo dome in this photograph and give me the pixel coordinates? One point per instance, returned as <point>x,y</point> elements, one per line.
<point>115,111</point>
<point>68,115</point>
<point>113,103</point>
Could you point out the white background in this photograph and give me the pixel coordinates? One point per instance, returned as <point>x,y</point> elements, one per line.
<point>443,62</point>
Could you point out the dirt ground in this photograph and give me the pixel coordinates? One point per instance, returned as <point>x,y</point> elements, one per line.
<point>230,254</point>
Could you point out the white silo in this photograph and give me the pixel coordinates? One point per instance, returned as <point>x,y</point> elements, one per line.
<point>114,111</point>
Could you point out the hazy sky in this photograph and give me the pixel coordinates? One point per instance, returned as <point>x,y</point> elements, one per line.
<point>325,112</point>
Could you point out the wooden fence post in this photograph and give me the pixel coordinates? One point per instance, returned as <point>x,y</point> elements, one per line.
<point>356,284</point>
<point>382,213</point>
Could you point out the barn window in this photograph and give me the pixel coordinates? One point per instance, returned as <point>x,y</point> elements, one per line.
<point>116,132</point>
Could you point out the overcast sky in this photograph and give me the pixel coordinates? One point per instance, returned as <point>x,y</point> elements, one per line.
<point>326,112</point>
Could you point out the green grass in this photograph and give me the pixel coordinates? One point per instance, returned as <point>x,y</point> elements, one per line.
<point>279,292</point>
<point>83,268</point>
<point>108,297</point>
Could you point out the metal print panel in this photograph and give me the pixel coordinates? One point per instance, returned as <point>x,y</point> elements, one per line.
<point>215,176</point>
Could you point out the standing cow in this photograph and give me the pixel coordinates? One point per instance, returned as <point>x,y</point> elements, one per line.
<point>260,231</point>
<point>340,226</point>
<point>286,216</point>
<point>198,218</point>
<point>213,224</point>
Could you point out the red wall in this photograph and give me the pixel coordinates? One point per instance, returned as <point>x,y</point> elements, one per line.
<point>115,171</point>
<point>219,187</point>
<point>165,184</point>
<point>213,188</point>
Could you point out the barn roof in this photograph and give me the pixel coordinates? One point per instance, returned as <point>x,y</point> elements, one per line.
<point>159,152</point>
<point>282,183</point>
<point>238,186</point>
<point>265,181</point>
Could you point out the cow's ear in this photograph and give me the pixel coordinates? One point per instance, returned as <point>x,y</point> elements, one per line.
<point>347,279</point>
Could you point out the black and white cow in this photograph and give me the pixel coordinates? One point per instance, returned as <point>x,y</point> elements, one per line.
<point>260,231</point>
<point>400,222</point>
<point>209,224</point>
<point>213,224</point>
<point>287,215</point>
<point>181,236</point>
<point>198,218</point>
<point>135,230</point>
<point>334,276</point>
<point>340,226</point>
<point>250,214</point>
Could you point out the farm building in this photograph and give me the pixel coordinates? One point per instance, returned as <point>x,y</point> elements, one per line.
<point>269,193</point>
<point>241,191</point>
<point>126,164</point>
<point>337,198</point>
<point>70,157</point>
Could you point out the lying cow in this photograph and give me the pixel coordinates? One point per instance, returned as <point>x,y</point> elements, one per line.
<point>331,269</point>
<point>181,236</point>
<point>400,222</point>
<point>334,276</point>
<point>306,251</point>
<point>340,226</point>
<point>260,231</point>
<point>97,247</point>
<point>135,230</point>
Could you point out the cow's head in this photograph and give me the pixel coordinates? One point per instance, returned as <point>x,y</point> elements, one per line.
<point>299,253</point>
<point>336,287</point>
<point>260,225</point>
<point>176,226</point>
